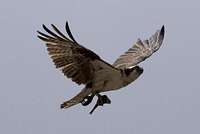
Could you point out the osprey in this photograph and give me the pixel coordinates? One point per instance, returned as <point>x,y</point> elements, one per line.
<point>84,66</point>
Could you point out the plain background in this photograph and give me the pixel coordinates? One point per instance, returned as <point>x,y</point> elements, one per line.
<point>164,100</point>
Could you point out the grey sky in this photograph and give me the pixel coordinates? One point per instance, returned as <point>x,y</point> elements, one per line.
<point>164,100</point>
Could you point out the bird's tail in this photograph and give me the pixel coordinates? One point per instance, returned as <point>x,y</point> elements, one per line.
<point>76,99</point>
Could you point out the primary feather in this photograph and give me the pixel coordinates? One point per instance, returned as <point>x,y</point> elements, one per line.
<point>140,50</point>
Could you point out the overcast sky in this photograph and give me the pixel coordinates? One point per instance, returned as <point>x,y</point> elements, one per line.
<point>164,100</point>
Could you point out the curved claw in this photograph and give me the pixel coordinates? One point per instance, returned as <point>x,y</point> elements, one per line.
<point>106,100</point>
<point>101,101</point>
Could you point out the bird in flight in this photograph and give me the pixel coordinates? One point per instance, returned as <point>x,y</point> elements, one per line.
<point>83,66</point>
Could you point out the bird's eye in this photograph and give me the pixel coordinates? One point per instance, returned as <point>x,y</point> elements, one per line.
<point>128,71</point>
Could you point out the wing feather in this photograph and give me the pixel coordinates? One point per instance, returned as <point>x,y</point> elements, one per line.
<point>140,50</point>
<point>74,60</point>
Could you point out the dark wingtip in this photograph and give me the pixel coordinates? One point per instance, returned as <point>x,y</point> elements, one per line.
<point>43,26</point>
<point>62,106</point>
<point>66,23</point>
<point>38,31</point>
<point>41,38</point>
<point>162,31</point>
<point>53,25</point>
<point>69,32</point>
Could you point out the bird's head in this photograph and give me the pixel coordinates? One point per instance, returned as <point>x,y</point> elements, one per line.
<point>133,72</point>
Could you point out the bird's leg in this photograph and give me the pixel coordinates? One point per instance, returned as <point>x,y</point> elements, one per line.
<point>95,106</point>
<point>87,100</point>
<point>102,99</point>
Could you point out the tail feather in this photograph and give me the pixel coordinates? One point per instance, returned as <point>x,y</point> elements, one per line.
<point>76,99</point>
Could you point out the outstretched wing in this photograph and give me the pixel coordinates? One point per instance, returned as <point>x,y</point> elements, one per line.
<point>140,50</point>
<point>75,61</point>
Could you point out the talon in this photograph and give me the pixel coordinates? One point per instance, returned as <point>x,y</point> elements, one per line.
<point>101,101</point>
<point>106,100</point>
<point>95,106</point>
